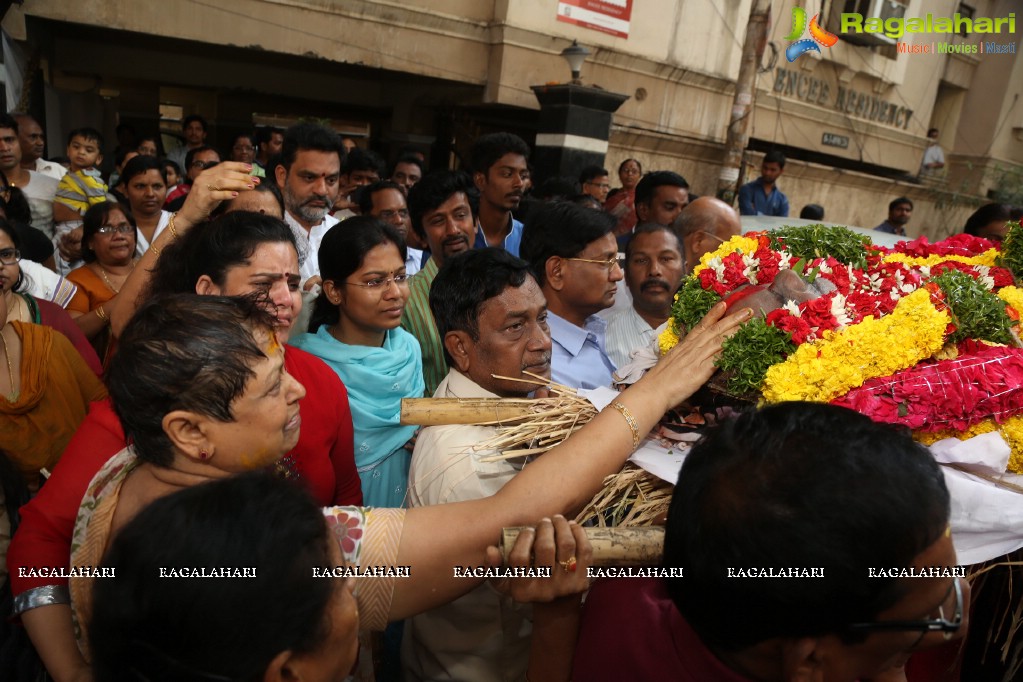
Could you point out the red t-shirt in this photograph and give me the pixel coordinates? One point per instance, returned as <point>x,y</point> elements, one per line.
<point>324,459</point>
<point>631,630</point>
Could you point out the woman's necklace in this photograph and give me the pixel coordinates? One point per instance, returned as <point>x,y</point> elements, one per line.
<point>110,285</point>
<point>12,397</point>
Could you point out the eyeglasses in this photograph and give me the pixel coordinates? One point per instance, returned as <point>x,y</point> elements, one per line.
<point>939,624</point>
<point>9,256</point>
<point>382,284</point>
<point>610,263</point>
<point>713,236</point>
<point>204,165</point>
<point>390,215</point>
<point>122,228</point>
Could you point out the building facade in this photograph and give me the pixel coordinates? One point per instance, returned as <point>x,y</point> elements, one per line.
<point>852,117</point>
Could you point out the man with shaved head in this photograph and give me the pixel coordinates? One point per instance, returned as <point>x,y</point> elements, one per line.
<point>704,225</point>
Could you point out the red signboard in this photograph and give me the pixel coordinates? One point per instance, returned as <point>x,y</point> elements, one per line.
<point>607,16</point>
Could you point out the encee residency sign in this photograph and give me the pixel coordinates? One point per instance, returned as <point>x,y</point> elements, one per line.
<point>607,16</point>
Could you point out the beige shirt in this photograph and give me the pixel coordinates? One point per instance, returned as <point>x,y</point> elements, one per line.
<point>482,636</point>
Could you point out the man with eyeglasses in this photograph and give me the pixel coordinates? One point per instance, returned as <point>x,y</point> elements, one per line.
<point>492,317</point>
<point>820,497</point>
<point>197,160</point>
<point>385,200</point>
<point>594,181</point>
<point>703,226</point>
<point>574,256</point>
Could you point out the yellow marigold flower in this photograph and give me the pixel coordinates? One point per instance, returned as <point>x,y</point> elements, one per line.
<point>668,339</point>
<point>841,361</point>
<point>747,245</point>
<point>1014,297</point>
<point>986,258</point>
<point>1011,430</point>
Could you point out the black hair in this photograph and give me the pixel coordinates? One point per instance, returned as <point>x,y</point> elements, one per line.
<point>247,134</point>
<point>488,149</point>
<point>183,352</point>
<point>557,188</point>
<point>591,173</point>
<point>988,213</point>
<point>7,228</point>
<point>87,134</point>
<point>784,487</point>
<point>561,229</point>
<point>648,184</point>
<point>7,121</point>
<point>265,133</point>
<point>164,163</point>
<point>408,158</point>
<point>145,627</point>
<point>434,189</point>
<point>467,281</point>
<point>190,158</point>
<point>214,248</point>
<point>191,118</point>
<point>366,193</point>
<point>155,139</point>
<point>586,201</point>
<point>774,156</point>
<point>363,160</point>
<point>650,228</point>
<point>16,206</point>
<point>897,202</point>
<point>142,164</point>
<point>812,212</point>
<point>342,252</point>
<point>309,136</point>
<point>621,166</point>
<point>931,130</point>
<point>94,219</point>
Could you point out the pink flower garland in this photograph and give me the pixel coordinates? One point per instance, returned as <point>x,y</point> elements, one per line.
<point>984,381</point>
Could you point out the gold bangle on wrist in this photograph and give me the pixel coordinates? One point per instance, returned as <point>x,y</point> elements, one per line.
<point>170,225</point>
<point>154,250</point>
<point>101,314</point>
<point>630,420</point>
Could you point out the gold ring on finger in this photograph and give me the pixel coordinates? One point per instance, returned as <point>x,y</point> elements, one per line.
<point>568,565</point>
<point>213,188</point>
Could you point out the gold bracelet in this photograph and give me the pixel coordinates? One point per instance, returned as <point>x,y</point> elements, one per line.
<point>170,225</point>
<point>102,315</point>
<point>154,250</point>
<point>630,420</point>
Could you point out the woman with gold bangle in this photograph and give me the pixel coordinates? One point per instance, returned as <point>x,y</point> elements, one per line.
<point>108,249</point>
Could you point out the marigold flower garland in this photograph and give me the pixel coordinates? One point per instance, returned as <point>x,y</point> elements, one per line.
<point>820,371</point>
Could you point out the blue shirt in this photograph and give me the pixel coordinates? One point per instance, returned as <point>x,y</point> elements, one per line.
<point>891,229</point>
<point>578,354</point>
<point>753,201</point>
<point>511,242</point>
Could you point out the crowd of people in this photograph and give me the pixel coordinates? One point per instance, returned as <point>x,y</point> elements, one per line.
<point>204,364</point>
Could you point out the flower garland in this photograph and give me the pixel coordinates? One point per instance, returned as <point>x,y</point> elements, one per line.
<point>822,370</point>
<point>746,244</point>
<point>982,381</point>
<point>986,259</point>
<point>1011,431</point>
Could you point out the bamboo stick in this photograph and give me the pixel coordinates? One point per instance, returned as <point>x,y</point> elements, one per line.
<point>612,546</point>
<point>443,411</point>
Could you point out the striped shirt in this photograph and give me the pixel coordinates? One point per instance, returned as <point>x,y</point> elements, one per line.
<point>81,189</point>
<point>418,321</point>
<point>626,332</point>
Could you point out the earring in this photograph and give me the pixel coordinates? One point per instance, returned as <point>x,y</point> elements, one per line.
<point>203,455</point>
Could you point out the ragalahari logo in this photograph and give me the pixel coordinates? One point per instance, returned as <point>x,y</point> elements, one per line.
<point>817,35</point>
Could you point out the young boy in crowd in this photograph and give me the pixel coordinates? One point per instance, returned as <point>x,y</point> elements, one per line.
<point>79,189</point>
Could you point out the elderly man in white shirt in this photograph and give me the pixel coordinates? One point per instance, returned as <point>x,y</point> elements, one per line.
<point>653,273</point>
<point>492,318</point>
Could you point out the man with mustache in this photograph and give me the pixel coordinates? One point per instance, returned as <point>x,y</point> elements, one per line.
<point>441,214</point>
<point>653,273</point>
<point>502,177</point>
<point>574,256</point>
<point>492,317</point>
<point>308,177</point>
